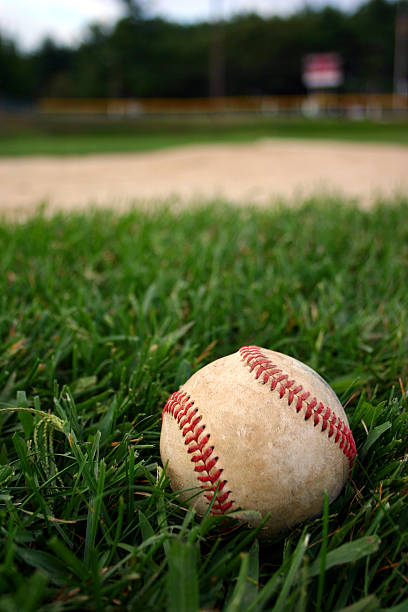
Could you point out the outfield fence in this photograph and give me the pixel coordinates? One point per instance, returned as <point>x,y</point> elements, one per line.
<point>349,105</point>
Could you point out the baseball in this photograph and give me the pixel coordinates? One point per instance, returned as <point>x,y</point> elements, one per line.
<point>257,430</point>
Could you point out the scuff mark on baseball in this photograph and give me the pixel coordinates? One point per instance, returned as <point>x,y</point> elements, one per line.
<point>257,430</point>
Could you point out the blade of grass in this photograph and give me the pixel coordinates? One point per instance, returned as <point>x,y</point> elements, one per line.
<point>94,514</point>
<point>182,580</point>
<point>367,604</point>
<point>246,587</point>
<point>297,559</point>
<point>348,553</point>
<point>323,551</point>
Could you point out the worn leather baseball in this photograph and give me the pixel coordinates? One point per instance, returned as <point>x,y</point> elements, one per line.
<point>257,430</point>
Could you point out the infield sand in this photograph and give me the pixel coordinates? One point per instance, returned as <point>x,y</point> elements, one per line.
<point>259,173</point>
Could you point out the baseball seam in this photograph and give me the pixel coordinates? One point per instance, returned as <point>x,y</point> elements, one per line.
<point>270,374</point>
<point>181,408</point>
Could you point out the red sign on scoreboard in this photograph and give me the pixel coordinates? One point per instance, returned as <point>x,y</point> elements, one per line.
<point>321,70</point>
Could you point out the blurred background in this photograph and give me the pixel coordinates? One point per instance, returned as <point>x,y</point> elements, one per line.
<point>132,76</point>
<point>130,58</point>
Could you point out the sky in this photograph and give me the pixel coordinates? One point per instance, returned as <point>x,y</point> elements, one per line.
<point>29,21</point>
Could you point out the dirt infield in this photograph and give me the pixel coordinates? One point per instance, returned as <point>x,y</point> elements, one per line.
<point>257,173</point>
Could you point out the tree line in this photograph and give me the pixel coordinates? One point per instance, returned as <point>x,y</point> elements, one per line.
<point>151,57</point>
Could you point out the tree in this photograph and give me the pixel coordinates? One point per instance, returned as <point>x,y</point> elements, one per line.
<point>16,76</point>
<point>52,64</point>
<point>142,56</point>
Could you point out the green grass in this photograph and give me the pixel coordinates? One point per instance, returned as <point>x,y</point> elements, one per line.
<point>102,317</point>
<point>55,136</point>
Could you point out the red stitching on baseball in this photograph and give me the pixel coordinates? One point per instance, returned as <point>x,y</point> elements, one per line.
<point>273,376</point>
<point>180,407</point>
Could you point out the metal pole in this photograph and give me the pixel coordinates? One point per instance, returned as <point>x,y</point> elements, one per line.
<point>216,55</point>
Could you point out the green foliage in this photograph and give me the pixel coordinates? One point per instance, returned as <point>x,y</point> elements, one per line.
<point>16,71</point>
<point>150,57</point>
<point>103,316</point>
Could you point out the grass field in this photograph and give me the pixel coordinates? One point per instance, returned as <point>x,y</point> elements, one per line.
<point>102,317</point>
<point>56,136</point>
